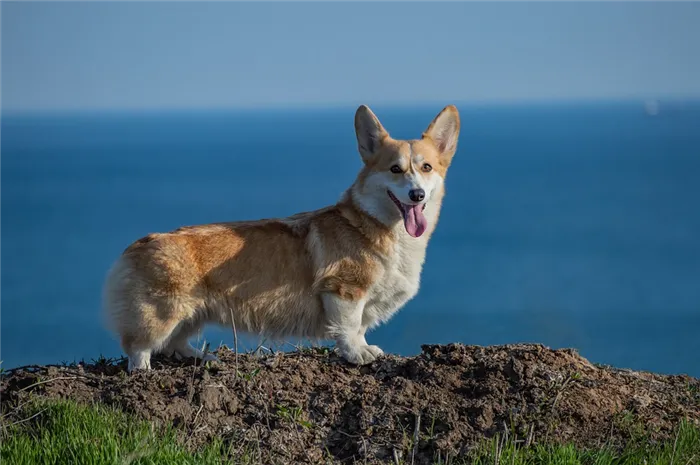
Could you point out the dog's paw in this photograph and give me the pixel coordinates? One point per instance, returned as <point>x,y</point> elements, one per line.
<point>138,365</point>
<point>139,360</point>
<point>210,358</point>
<point>376,351</point>
<point>361,355</point>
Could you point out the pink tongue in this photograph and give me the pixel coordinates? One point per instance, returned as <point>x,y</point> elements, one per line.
<point>415,222</point>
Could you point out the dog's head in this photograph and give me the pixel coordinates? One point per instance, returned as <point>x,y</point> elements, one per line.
<point>403,178</point>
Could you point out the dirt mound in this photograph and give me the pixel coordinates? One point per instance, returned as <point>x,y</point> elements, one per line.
<point>311,406</point>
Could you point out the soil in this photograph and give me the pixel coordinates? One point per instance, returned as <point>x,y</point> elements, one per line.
<point>311,407</point>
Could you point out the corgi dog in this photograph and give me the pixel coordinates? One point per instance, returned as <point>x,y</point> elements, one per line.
<point>332,273</point>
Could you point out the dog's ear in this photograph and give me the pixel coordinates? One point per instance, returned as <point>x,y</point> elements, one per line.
<point>369,131</point>
<point>444,132</point>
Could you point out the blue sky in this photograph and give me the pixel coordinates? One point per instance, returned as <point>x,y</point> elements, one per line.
<point>68,56</point>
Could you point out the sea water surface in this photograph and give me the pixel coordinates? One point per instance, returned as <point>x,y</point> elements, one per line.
<point>568,225</point>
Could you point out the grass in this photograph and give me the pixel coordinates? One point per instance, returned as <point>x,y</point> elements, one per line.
<point>58,432</point>
<point>683,450</point>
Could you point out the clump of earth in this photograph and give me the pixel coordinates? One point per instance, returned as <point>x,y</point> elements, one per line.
<point>311,406</point>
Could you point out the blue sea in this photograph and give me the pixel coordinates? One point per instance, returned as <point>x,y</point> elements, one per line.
<point>568,225</point>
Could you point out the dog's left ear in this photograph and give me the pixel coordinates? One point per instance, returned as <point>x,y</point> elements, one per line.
<point>444,132</point>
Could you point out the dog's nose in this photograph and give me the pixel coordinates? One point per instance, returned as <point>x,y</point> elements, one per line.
<point>416,194</point>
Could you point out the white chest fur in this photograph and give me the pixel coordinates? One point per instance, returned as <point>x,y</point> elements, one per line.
<point>398,283</point>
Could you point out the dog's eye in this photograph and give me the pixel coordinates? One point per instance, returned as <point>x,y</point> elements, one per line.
<point>427,167</point>
<point>396,169</point>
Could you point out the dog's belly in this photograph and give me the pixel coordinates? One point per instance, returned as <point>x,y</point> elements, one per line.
<point>277,313</point>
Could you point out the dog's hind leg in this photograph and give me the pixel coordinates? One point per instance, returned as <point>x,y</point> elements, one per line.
<point>148,332</point>
<point>179,346</point>
<point>140,345</point>
<point>138,351</point>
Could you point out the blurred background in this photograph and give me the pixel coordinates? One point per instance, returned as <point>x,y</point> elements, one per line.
<point>571,216</point>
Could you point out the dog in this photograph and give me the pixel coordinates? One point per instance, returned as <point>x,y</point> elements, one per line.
<point>332,273</point>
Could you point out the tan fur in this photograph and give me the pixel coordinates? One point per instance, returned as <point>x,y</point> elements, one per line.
<point>279,277</point>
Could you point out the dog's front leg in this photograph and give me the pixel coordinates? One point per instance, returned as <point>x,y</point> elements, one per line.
<point>344,320</point>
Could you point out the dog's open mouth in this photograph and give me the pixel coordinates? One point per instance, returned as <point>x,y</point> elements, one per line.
<point>413,219</point>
